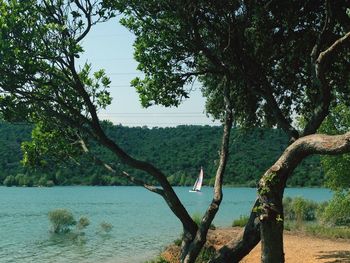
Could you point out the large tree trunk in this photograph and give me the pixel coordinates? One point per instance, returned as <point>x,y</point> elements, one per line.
<point>271,226</point>
<point>272,241</point>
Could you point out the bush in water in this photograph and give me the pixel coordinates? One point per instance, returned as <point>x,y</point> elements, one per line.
<point>61,220</point>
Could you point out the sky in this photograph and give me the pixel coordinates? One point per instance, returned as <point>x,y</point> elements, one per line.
<point>109,46</point>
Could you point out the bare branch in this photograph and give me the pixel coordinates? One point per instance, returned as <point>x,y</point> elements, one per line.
<point>87,12</point>
<point>325,57</point>
<point>322,64</point>
<point>124,174</point>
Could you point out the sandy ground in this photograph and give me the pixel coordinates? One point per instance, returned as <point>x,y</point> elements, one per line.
<point>299,248</point>
<point>305,249</point>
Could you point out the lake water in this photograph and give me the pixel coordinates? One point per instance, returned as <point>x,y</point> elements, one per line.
<point>142,222</point>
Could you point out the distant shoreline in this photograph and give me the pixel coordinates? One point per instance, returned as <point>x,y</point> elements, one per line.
<point>178,186</point>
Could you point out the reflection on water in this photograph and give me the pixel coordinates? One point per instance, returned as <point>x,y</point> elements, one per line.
<point>142,223</point>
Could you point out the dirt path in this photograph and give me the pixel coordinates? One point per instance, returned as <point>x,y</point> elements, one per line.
<point>305,249</point>
<point>299,248</point>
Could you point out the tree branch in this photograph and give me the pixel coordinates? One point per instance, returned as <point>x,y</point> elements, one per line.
<point>321,62</point>
<point>87,12</point>
<point>254,77</point>
<point>124,174</point>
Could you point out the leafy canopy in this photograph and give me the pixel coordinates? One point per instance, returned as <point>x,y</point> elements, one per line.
<point>40,41</point>
<point>265,50</point>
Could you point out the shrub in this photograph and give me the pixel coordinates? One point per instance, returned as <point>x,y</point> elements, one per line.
<point>10,181</point>
<point>159,259</point>
<point>197,218</point>
<point>50,183</point>
<point>299,209</point>
<point>83,223</point>
<point>241,221</point>
<point>205,255</point>
<point>328,232</point>
<point>287,208</point>
<point>178,242</point>
<point>61,220</point>
<point>336,212</point>
<point>42,181</point>
<point>23,180</point>
<point>106,227</point>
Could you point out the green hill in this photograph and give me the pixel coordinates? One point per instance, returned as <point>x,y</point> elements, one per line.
<point>179,152</point>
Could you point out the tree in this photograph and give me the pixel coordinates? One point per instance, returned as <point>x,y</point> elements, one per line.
<point>40,82</point>
<point>281,59</point>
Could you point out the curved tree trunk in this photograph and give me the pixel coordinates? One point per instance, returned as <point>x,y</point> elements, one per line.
<point>269,210</point>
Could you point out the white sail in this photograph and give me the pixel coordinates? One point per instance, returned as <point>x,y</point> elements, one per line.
<point>198,184</point>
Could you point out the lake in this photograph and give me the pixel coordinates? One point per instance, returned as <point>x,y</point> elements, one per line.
<point>142,222</point>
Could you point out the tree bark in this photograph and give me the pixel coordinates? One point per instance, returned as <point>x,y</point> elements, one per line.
<point>271,225</point>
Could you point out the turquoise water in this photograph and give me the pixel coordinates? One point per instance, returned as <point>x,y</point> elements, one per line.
<point>142,222</point>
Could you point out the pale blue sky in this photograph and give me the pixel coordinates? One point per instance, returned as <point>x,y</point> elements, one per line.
<point>109,46</point>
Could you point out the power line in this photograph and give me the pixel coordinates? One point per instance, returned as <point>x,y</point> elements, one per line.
<point>126,86</point>
<point>165,123</point>
<point>108,59</point>
<point>153,113</point>
<point>110,35</point>
<point>125,73</point>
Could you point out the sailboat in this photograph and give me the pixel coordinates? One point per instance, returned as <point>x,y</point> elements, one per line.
<point>198,184</point>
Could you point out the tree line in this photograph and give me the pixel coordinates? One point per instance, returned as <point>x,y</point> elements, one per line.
<point>181,150</point>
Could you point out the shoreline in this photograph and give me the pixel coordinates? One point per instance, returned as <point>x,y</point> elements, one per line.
<point>298,247</point>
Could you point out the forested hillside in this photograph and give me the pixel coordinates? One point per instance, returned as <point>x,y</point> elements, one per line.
<point>179,152</point>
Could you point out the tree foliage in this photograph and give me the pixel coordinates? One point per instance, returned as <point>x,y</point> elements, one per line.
<point>337,168</point>
<point>263,49</point>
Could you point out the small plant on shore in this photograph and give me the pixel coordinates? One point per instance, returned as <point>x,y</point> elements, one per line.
<point>205,255</point>
<point>178,241</point>
<point>337,211</point>
<point>300,210</point>
<point>197,218</point>
<point>328,232</point>
<point>159,259</point>
<point>61,220</point>
<point>241,221</point>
